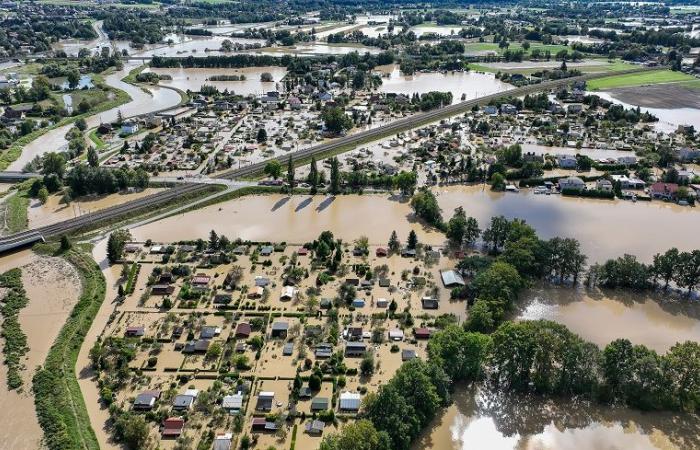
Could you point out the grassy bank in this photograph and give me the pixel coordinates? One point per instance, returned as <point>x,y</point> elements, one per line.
<point>59,403</point>
<point>16,212</point>
<point>99,143</point>
<point>15,150</point>
<point>638,79</point>
<point>15,341</point>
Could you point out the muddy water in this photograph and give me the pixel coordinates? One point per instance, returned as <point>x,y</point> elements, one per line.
<point>99,415</point>
<point>605,228</point>
<point>193,79</point>
<point>486,420</point>
<point>53,287</point>
<point>452,30</point>
<point>469,84</point>
<point>55,211</point>
<point>601,317</point>
<point>141,102</point>
<point>315,48</point>
<point>594,153</point>
<point>194,46</point>
<point>669,119</point>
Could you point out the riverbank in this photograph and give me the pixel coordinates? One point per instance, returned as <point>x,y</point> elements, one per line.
<point>59,402</point>
<point>13,153</point>
<point>52,288</point>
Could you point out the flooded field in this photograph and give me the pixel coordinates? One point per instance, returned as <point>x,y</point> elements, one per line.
<point>141,102</point>
<point>53,287</point>
<point>601,317</point>
<point>606,229</point>
<point>193,79</point>
<point>469,84</point>
<point>508,422</point>
<point>669,118</point>
<point>54,210</point>
<point>594,153</point>
<point>446,30</point>
<point>195,46</point>
<point>315,48</point>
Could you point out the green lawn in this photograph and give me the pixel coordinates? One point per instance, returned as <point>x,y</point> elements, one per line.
<point>638,79</point>
<point>474,47</point>
<point>16,211</point>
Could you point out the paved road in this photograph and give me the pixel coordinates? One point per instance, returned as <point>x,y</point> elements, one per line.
<point>342,144</point>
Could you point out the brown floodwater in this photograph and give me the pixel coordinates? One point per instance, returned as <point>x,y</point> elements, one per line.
<point>653,320</point>
<point>52,287</point>
<point>480,419</point>
<point>606,228</point>
<point>55,211</point>
<point>470,84</point>
<point>193,79</point>
<point>155,99</point>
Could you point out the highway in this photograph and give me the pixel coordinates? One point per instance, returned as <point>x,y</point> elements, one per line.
<point>24,238</point>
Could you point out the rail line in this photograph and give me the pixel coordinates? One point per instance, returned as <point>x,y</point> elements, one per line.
<point>30,236</point>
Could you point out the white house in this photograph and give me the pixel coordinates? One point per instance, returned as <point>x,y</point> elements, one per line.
<point>350,401</point>
<point>130,127</point>
<point>566,161</point>
<point>571,183</point>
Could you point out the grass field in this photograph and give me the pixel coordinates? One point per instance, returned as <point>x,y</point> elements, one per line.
<point>15,212</point>
<point>479,47</point>
<point>638,79</point>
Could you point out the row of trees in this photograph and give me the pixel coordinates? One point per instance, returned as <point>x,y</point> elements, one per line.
<point>673,266</point>
<point>539,357</point>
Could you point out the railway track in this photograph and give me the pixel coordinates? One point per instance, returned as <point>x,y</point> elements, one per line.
<point>30,236</point>
<point>413,121</point>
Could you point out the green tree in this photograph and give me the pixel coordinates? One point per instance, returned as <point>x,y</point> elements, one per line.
<point>335,119</point>
<point>471,231</point>
<point>92,157</point>
<point>666,265</point>
<point>394,244</point>
<point>412,241</point>
<point>498,182</point>
<point>497,233</point>
<point>262,136</point>
<point>461,354</point>
<point>426,207</point>
<point>132,430</point>
<point>312,179</point>
<point>116,243</point>
<point>273,169</point>
<point>43,195</point>
<point>73,78</point>
<point>359,435</point>
<point>335,176</point>
<point>290,174</point>
<point>457,227</point>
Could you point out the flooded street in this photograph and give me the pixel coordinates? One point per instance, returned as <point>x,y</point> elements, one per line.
<point>52,287</point>
<point>479,419</point>
<point>600,317</point>
<point>606,228</point>
<point>141,102</point>
<point>470,84</point>
<point>194,79</point>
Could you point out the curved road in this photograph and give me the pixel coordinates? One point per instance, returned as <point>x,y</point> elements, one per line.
<point>338,145</point>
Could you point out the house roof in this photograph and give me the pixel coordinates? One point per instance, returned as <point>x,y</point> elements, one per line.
<point>280,326</point>
<point>451,278</point>
<point>243,329</point>
<point>350,401</point>
<point>234,401</point>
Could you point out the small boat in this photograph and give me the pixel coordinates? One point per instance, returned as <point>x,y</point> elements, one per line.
<point>512,188</point>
